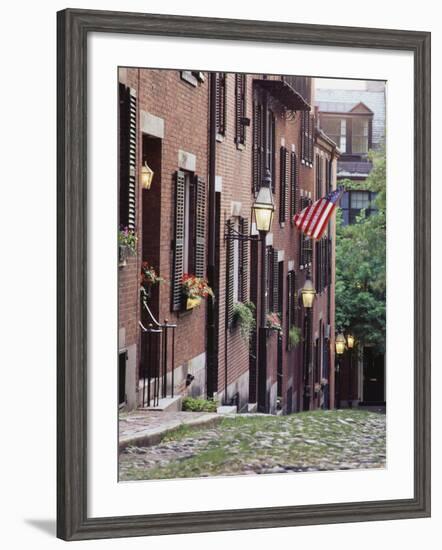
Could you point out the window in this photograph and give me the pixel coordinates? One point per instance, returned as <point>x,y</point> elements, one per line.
<point>240,109</point>
<point>294,187</point>
<point>322,264</point>
<point>220,103</point>
<point>270,145</point>
<point>292,301</point>
<point>189,231</point>
<point>359,138</point>
<point>328,175</point>
<point>188,225</point>
<point>258,143</point>
<point>352,134</point>
<point>354,201</point>
<point>305,243</point>
<point>336,129</point>
<point>237,257</point>
<point>319,176</point>
<point>263,142</point>
<point>307,125</point>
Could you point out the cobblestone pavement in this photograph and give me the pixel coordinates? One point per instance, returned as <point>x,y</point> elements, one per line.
<point>255,444</point>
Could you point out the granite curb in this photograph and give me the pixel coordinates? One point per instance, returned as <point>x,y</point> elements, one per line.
<point>153,436</point>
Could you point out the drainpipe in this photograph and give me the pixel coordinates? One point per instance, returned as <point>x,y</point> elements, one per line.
<point>212,325</point>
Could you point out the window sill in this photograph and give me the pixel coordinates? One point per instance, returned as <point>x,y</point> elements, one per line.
<point>219,138</point>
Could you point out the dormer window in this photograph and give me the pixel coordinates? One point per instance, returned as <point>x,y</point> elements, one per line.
<point>351,130</point>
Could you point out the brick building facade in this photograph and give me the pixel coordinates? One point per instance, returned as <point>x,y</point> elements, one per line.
<point>209,138</point>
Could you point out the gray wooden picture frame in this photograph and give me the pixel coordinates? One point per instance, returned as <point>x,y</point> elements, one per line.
<point>73,28</point>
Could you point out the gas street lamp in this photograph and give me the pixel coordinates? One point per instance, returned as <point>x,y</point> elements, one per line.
<point>350,345</point>
<point>340,348</point>
<point>340,344</point>
<point>263,207</point>
<point>262,212</point>
<point>308,294</point>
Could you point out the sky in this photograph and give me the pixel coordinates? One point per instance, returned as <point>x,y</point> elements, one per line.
<point>339,84</point>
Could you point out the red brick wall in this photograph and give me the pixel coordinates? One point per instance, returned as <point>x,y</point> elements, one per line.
<point>184,109</point>
<point>235,167</point>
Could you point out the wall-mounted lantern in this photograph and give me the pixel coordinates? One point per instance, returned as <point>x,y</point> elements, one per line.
<point>308,293</point>
<point>340,343</point>
<point>146,176</point>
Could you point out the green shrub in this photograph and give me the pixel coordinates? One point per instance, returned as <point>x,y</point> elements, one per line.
<point>294,337</point>
<point>244,317</point>
<point>196,404</point>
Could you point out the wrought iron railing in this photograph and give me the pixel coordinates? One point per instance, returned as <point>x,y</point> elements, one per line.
<point>157,354</point>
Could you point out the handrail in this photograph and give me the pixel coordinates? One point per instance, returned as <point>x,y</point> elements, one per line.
<point>144,329</point>
<point>162,325</point>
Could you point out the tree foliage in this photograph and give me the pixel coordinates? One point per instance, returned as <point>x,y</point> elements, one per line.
<point>360,264</point>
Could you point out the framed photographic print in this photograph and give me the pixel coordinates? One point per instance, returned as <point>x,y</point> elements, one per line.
<point>243,274</point>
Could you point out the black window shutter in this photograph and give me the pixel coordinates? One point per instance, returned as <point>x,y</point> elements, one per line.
<point>318,176</point>
<point>289,299</point>
<point>200,227</point>
<point>267,301</point>
<point>240,108</point>
<point>293,185</point>
<point>294,299</point>
<point>258,145</point>
<point>302,135</point>
<point>311,127</point>
<point>275,280</point>
<point>283,178</point>
<point>220,103</point>
<point>243,261</point>
<point>178,242</point>
<point>270,146</point>
<point>230,274</point>
<point>128,151</point>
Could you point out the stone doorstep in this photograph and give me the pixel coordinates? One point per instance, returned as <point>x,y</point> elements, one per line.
<point>169,404</point>
<point>227,409</point>
<point>154,436</point>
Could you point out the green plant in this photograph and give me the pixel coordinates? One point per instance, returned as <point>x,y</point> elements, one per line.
<point>294,337</point>
<point>127,238</point>
<point>244,317</point>
<point>198,404</point>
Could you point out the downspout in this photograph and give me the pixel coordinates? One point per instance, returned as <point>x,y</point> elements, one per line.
<point>212,324</point>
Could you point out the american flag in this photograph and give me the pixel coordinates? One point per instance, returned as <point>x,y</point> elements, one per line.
<point>313,220</point>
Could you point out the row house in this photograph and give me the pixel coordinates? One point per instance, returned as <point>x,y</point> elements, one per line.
<point>194,151</point>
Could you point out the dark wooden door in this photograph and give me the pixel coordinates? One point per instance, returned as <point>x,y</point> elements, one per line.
<point>374,376</point>
<point>122,378</point>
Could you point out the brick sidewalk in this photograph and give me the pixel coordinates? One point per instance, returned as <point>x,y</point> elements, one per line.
<point>145,428</point>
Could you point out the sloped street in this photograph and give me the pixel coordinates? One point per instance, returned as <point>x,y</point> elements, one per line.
<point>263,444</point>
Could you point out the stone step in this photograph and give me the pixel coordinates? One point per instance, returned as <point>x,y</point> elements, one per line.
<point>169,404</point>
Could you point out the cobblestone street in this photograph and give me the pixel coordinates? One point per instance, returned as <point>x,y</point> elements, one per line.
<point>263,444</point>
